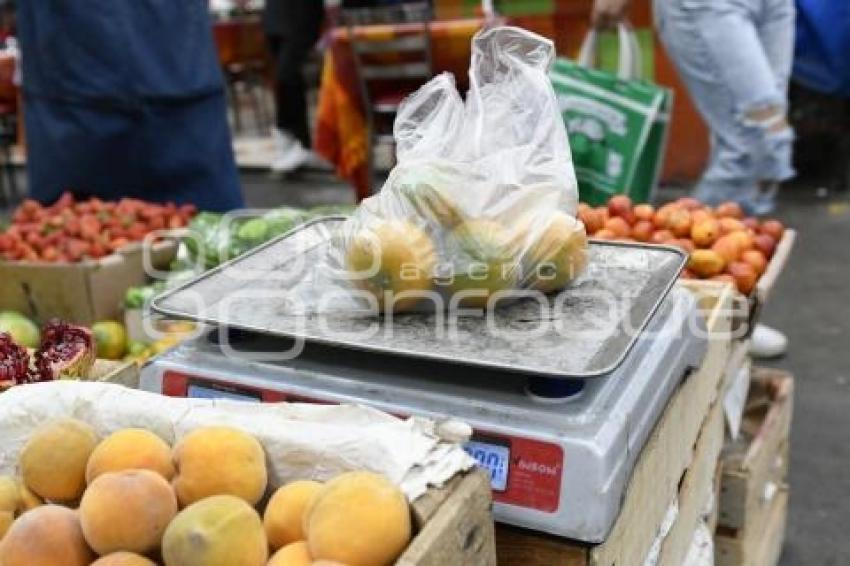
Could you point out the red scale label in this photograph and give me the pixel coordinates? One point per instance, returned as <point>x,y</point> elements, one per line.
<point>524,472</point>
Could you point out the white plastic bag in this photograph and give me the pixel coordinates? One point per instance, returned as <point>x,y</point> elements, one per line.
<point>481,206</point>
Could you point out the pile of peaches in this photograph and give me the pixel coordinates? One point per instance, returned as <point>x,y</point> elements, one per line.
<point>722,242</point>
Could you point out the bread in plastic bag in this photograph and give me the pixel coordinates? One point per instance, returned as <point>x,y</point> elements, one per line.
<point>482,201</point>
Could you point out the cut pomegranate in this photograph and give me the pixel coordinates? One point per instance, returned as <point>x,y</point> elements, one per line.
<point>14,362</point>
<point>67,351</point>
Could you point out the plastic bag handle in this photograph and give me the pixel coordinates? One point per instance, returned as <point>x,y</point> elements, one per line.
<point>629,58</point>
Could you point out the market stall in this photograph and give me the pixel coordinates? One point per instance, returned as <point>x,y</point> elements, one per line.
<point>567,403</point>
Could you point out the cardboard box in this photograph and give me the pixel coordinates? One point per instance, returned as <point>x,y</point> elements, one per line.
<point>78,292</point>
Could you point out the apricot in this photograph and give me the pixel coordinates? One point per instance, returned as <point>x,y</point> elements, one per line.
<point>751,223</point>
<point>706,263</point>
<point>701,214</point>
<point>729,225</point>
<point>127,510</point>
<point>284,516</point>
<point>687,274</point>
<point>679,222</point>
<point>689,203</point>
<point>772,228</point>
<point>53,461</point>
<point>49,535</point>
<point>123,559</point>
<point>765,244</point>
<point>729,210</point>
<point>605,234</point>
<point>360,519</point>
<point>728,248</point>
<point>29,500</point>
<point>592,219</point>
<point>684,244</point>
<point>219,460</point>
<point>618,226</point>
<point>644,212</point>
<point>662,215</point>
<point>661,236</point>
<point>743,238</point>
<point>705,232</point>
<point>642,230</point>
<point>756,259</point>
<point>130,449</point>
<point>745,276</point>
<point>621,206</point>
<point>221,530</point>
<point>293,554</point>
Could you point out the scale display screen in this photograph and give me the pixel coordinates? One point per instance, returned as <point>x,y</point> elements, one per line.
<point>196,391</point>
<point>495,458</point>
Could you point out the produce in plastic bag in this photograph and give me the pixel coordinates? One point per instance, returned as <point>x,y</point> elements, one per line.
<point>482,202</point>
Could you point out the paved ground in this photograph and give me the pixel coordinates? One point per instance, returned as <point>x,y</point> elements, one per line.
<point>810,304</point>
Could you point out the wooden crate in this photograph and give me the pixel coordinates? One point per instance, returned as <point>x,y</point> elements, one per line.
<point>756,464</point>
<point>454,525</point>
<point>759,546</point>
<point>686,436</point>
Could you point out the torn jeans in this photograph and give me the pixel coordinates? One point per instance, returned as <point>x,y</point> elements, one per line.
<point>735,57</point>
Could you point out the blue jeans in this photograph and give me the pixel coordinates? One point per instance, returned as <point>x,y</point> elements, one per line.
<point>735,57</point>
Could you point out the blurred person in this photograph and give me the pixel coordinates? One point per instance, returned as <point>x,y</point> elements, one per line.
<point>292,29</point>
<point>125,98</point>
<point>735,57</point>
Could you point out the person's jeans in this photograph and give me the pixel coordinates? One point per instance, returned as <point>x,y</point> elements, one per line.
<point>735,57</point>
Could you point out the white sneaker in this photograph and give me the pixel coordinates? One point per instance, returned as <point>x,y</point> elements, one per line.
<point>767,343</point>
<point>290,156</point>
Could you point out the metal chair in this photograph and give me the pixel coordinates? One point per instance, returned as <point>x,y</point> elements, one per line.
<point>388,69</point>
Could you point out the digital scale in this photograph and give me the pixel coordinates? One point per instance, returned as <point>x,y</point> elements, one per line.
<point>559,418</point>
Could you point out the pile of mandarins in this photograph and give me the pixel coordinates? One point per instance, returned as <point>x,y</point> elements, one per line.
<point>723,244</point>
<point>132,500</point>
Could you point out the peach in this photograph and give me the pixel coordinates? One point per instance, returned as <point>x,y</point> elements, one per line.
<point>219,460</point>
<point>294,554</point>
<point>743,238</point>
<point>123,559</point>
<point>49,535</point>
<point>751,223</point>
<point>53,461</point>
<point>127,510</point>
<point>221,530</point>
<point>284,516</point>
<point>360,519</point>
<point>130,449</point>
<point>605,234</point>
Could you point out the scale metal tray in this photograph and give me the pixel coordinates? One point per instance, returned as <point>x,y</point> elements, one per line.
<point>584,331</point>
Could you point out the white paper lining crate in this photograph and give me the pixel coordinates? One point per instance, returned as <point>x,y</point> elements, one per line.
<point>678,462</point>
<point>754,492</point>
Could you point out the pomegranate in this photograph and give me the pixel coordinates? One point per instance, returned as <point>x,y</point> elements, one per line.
<point>14,362</point>
<point>66,351</point>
